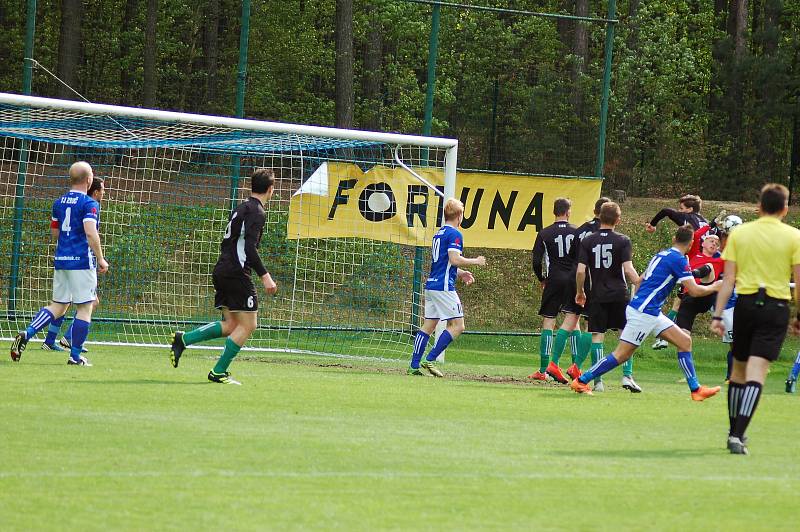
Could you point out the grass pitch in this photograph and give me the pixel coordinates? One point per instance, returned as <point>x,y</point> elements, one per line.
<point>351,444</point>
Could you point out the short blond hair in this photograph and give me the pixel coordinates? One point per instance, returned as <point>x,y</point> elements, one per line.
<point>79,173</point>
<point>453,208</point>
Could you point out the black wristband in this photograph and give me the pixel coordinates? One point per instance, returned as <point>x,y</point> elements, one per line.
<point>716,318</point>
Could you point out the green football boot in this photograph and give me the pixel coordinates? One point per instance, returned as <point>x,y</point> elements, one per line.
<point>432,369</point>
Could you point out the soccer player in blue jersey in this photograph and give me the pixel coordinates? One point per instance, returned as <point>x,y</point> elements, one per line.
<point>644,316</point>
<point>441,299</point>
<point>79,256</point>
<point>96,192</point>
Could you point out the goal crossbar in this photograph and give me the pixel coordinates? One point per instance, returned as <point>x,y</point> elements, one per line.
<point>226,122</point>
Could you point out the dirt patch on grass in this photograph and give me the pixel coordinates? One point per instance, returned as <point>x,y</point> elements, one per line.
<point>387,369</point>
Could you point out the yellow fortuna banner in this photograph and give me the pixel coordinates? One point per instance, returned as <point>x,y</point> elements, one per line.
<point>392,205</point>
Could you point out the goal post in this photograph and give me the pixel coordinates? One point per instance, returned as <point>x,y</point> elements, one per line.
<point>343,262</point>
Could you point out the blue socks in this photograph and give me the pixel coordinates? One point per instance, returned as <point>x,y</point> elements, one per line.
<point>441,344</point>
<point>603,366</point>
<point>420,342</point>
<point>52,331</point>
<point>796,367</point>
<point>687,365</point>
<point>68,334</point>
<point>42,319</point>
<point>80,330</point>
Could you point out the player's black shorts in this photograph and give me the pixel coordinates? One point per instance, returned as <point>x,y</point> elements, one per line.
<point>759,330</point>
<point>236,293</point>
<point>605,316</point>
<point>691,307</point>
<point>558,295</point>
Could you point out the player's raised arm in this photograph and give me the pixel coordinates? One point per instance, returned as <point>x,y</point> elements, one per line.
<point>676,216</point>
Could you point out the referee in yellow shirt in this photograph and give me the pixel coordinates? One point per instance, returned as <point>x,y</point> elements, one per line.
<point>760,258</point>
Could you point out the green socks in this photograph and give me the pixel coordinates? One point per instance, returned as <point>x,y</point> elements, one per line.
<point>627,368</point>
<point>574,344</point>
<point>597,354</point>
<point>558,346</point>
<point>671,315</point>
<point>545,344</point>
<point>584,346</point>
<point>231,350</point>
<point>209,331</point>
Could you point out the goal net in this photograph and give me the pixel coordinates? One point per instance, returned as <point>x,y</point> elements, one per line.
<point>343,229</point>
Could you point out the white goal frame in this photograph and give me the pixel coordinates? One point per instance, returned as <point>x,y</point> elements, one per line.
<point>394,140</point>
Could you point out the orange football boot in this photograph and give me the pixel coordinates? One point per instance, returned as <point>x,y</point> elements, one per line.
<point>554,371</point>
<point>579,387</point>
<point>704,392</point>
<point>574,371</point>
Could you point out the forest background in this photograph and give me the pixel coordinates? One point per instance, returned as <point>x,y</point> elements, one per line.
<point>704,93</point>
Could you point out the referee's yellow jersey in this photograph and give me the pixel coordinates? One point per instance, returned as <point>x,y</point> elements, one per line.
<point>764,251</point>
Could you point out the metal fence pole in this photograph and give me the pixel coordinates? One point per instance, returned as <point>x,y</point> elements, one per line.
<point>609,50</point>
<point>433,50</point>
<point>19,197</point>
<point>241,85</point>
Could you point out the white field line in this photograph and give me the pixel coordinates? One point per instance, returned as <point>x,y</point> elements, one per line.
<point>392,475</point>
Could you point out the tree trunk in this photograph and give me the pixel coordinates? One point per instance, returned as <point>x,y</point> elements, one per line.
<point>769,94</point>
<point>69,46</point>
<point>754,34</point>
<point>211,51</point>
<point>580,52</point>
<point>717,58</point>
<point>373,61</point>
<point>565,26</point>
<point>150,84</point>
<point>737,29</point>
<point>740,22</point>
<point>344,63</point>
<point>127,34</point>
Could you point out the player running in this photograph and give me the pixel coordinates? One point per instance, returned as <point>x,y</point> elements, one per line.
<point>604,258</point>
<point>235,293</point>
<point>78,258</point>
<point>644,316</point>
<point>552,250</point>
<point>441,300</point>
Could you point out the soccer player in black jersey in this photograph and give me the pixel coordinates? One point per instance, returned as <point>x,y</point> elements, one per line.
<point>235,293</point>
<point>553,266</point>
<point>688,212</point>
<point>604,258</point>
<point>582,342</point>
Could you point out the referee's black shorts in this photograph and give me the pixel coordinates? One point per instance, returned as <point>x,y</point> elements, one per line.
<point>691,307</point>
<point>759,329</point>
<point>235,292</point>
